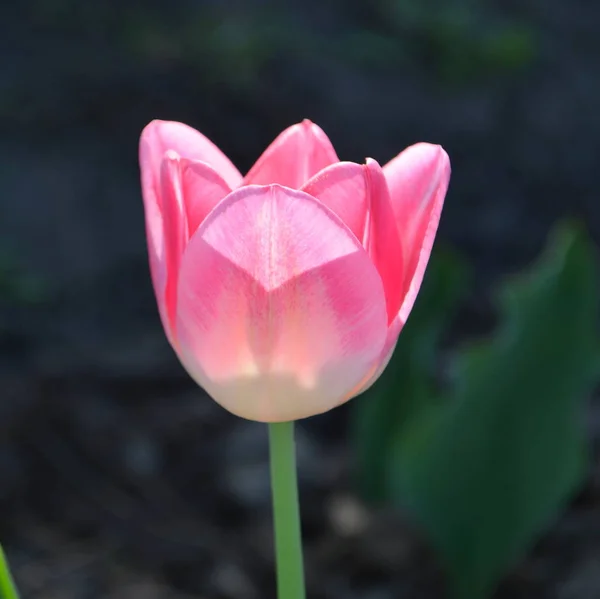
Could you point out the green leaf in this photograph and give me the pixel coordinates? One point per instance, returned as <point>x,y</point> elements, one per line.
<point>7,587</point>
<point>486,474</point>
<point>406,385</point>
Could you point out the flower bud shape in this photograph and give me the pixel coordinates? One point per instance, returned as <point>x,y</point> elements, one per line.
<point>283,292</point>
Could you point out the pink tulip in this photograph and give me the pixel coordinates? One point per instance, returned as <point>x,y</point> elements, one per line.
<point>283,292</point>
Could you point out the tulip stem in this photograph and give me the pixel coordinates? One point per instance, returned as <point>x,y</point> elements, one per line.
<point>286,511</point>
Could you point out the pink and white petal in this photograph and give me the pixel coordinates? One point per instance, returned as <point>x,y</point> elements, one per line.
<point>418,180</point>
<point>358,194</point>
<point>203,189</point>
<point>280,310</point>
<point>175,231</point>
<point>296,155</point>
<point>160,136</point>
<point>342,187</point>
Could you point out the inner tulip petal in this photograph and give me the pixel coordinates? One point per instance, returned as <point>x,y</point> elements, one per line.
<point>176,234</point>
<point>160,136</point>
<point>358,194</point>
<point>203,189</point>
<point>280,310</point>
<point>294,157</point>
<point>382,239</point>
<point>342,187</point>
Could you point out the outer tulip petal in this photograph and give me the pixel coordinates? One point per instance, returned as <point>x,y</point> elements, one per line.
<point>371,378</point>
<point>156,139</point>
<point>160,136</point>
<point>418,180</point>
<point>280,310</point>
<point>294,157</point>
<point>359,196</point>
<point>203,189</point>
<point>155,237</point>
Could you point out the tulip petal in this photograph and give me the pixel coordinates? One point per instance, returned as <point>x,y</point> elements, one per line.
<point>152,197</point>
<point>166,233</point>
<point>418,180</point>
<point>175,230</point>
<point>160,136</point>
<point>386,355</point>
<point>203,189</point>
<point>156,139</point>
<point>280,310</point>
<point>358,194</point>
<point>382,239</point>
<point>293,157</point>
<point>342,187</point>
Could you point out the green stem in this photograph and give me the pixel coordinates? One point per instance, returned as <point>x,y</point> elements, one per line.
<point>286,512</point>
<point>7,587</point>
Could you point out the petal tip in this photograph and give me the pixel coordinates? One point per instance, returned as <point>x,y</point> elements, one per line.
<point>371,164</point>
<point>154,127</point>
<point>435,151</point>
<point>171,155</point>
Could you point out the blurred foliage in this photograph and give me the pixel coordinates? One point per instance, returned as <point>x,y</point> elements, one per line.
<point>407,385</point>
<point>461,40</point>
<point>7,588</point>
<point>485,466</point>
<point>17,287</point>
<point>231,44</point>
<point>233,49</point>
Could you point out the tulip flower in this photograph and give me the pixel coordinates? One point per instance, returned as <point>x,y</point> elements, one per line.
<point>283,292</point>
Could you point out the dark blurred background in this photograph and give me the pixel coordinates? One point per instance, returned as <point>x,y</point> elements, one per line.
<point>118,478</point>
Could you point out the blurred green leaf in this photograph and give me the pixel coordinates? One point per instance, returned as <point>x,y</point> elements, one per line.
<point>367,49</point>
<point>7,587</point>
<point>488,471</point>
<point>461,41</point>
<point>17,286</point>
<point>406,385</point>
<point>510,48</point>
